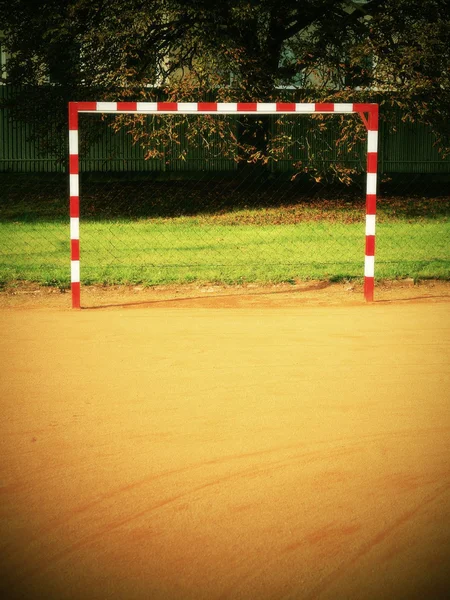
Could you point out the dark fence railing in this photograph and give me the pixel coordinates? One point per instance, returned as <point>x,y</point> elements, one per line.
<point>404,148</point>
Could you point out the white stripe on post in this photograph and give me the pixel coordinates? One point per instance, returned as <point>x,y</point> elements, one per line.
<point>187,107</point>
<point>371,183</point>
<point>74,185</point>
<point>227,107</point>
<point>106,106</point>
<point>370,224</point>
<point>74,228</point>
<point>305,108</point>
<point>343,108</point>
<point>73,141</point>
<point>369,266</point>
<point>146,107</point>
<point>372,141</point>
<point>75,271</point>
<point>266,107</point>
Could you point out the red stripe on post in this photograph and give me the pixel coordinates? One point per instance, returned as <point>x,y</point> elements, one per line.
<point>75,287</point>
<point>286,106</point>
<point>74,249</point>
<point>209,106</point>
<point>369,284</point>
<point>73,164</point>
<point>246,106</point>
<point>370,245</point>
<point>363,107</point>
<point>74,207</point>
<point>87,105</point>
<point>373,117</point>
<point>127,106</point>
<point>73,115</point>
<point>170,106</point>
<point>324,107</point>
<point>372,162</point>
<point>371,204</point>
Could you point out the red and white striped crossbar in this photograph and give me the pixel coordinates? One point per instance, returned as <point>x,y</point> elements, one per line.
<point>225,108</point>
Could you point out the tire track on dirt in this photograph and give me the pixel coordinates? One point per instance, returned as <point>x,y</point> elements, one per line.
<point>218,461</point>
<point>365,548</point>
<point>343,568</point>
<point>275,464</point>
<point>303,458</point>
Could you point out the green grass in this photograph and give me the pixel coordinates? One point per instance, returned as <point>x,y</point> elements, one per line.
<point>215,230</point>
<point>245,246</point>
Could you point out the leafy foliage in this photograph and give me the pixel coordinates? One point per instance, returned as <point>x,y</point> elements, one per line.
<point>409,42</point>
<point>392,51</point>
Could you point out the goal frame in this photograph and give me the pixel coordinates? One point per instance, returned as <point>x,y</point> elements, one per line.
<point>367,111</point>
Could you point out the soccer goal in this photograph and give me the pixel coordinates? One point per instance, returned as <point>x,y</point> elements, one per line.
<point>368,113</point>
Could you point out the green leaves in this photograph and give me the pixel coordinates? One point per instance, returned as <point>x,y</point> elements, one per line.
<point>392,51</point>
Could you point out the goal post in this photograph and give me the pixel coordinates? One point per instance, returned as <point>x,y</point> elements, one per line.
<point>368,113</point>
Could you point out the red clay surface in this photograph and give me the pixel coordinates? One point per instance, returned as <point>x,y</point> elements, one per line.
<point>274,445</point>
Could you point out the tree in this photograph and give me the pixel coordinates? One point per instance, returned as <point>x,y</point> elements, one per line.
<point>408,42</point>
<point>120,45</point>
<point>394,50</point>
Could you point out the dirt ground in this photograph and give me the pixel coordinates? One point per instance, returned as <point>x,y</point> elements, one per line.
<point>289,442</point>
<point>281,295</point>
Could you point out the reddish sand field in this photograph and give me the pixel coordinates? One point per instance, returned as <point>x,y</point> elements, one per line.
<point>218,445</point>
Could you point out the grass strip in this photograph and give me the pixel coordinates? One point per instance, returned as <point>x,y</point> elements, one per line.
<point>160,251</point>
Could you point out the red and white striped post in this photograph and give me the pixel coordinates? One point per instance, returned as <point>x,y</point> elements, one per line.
<point>225,108</point>
<point>371,202</point>
<point>74,205</point>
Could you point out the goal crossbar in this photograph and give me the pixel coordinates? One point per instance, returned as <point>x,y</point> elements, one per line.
<point>367,111</point>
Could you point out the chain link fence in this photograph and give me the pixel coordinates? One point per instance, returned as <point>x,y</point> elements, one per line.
<point>192,211</point>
